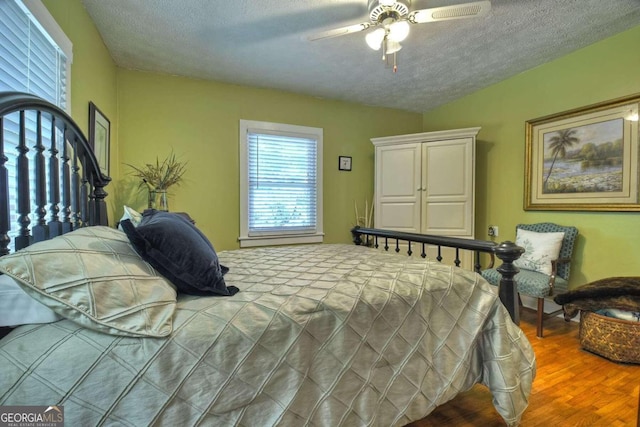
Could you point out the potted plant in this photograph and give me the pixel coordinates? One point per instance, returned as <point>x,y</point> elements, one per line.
<point>158,178</point>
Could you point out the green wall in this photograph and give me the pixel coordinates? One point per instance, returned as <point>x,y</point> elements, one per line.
<point>199,121</point>
<point>93,72</point>
<point>600,72</point>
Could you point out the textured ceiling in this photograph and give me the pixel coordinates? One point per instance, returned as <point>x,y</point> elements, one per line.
<point>263,43</point>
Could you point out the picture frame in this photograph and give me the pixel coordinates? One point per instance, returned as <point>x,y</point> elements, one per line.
<point>344,163</point>
<point>99,137</point>
<point>584,159</point>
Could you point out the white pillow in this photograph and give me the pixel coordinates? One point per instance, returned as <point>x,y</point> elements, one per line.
<point>18,308</point>
<point>131,214</point>
<point>540,249</point>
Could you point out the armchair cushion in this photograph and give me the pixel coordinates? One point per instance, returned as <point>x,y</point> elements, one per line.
<point>540,249</point>
<point>531,283</point>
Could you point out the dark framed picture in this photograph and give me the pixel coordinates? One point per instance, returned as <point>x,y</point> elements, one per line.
<point>584,159</point>
<point>99,137</point>
<point>344,163</point>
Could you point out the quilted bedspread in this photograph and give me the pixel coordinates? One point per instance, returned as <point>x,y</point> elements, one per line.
<point>323,335</point>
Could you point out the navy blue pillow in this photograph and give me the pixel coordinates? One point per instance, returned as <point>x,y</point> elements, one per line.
<point>180,252</point>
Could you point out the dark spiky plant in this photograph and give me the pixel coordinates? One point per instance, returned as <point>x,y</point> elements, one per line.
<point>161,175</point>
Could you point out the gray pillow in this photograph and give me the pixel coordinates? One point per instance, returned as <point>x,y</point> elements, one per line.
<point>93,277</point>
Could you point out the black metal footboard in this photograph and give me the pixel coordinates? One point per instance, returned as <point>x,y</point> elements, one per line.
<point>507,252</point>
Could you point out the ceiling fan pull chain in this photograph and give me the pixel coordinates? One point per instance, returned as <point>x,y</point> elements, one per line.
<point>384,48</point>
<point>395,64</point>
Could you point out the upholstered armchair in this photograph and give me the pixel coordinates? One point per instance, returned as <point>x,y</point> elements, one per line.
<point>544,267</point>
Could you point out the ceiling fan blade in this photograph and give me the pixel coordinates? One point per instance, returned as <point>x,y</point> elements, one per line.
<point>445,13</point>
<point>339,31</point>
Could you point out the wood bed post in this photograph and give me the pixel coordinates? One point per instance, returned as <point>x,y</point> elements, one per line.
<point>76,214</point>
<point>23,202</point>
<point>5,224</point>
<point>55,226</point>
<point>66,185</point>
<point>508,252</point>
<point>39,231</point>
<point>97,205</point>
<point>356,235</point>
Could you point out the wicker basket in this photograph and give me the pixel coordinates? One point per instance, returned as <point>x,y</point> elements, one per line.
<point>615,339</point>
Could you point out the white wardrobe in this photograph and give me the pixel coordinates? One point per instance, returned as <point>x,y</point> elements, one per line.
<point>425,183</point>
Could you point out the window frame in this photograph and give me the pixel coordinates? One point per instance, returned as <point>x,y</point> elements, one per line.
<point>285,237</point>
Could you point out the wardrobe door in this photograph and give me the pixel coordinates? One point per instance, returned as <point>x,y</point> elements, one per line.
<point>397,187</point>
<point>447,196</point>
<point>448,187</point>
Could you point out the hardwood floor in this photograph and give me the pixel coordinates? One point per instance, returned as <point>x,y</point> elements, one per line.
<point>572,387</point>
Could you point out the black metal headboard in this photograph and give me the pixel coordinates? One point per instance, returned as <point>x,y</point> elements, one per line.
<point>57,185</point>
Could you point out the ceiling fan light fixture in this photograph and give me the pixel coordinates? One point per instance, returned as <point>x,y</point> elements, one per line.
<point>391,46</point>
<point>398,31</point>
<point>374,38</point>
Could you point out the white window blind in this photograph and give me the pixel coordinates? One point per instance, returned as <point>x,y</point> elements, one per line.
<point>30,59</point>
<point>280,184</point>
<point>35,57</point>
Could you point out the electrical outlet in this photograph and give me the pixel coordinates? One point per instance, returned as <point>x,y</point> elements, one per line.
<point>493,231</point>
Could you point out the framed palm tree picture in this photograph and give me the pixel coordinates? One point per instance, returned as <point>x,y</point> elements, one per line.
<point>584,159</point>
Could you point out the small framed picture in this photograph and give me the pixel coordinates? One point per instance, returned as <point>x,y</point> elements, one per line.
<point>344,163</point>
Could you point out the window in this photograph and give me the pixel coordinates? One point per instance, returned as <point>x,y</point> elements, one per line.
<point>280,184</point>
<point>35,54</point>
<point>35,57</point>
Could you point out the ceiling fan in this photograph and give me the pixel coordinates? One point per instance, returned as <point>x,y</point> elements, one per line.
<point>393,19</point>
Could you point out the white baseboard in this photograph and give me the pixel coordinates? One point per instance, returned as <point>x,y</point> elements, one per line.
<point>549,306</point>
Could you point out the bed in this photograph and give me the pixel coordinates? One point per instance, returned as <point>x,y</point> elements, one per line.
<point>326,335</point>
